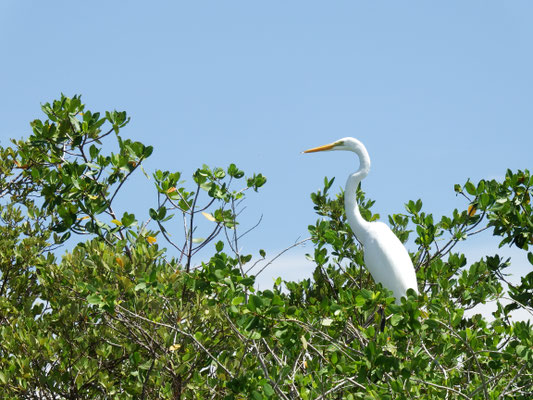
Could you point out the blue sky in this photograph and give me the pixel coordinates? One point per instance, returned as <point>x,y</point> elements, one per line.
<point>438,91</point>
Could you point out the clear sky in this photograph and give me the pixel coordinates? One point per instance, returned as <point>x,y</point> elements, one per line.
<point>438,91</point>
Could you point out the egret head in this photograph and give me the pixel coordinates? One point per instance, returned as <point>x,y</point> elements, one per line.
<point>347,144</point>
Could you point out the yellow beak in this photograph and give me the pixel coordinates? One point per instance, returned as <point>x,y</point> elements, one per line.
<point>320,148</point>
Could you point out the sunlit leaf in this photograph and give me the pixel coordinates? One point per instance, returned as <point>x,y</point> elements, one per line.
<point>304,342</point>
<point>208,216</point>
<point>174,347</point>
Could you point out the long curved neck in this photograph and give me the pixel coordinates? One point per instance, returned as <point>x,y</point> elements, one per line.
<point>358,224</point>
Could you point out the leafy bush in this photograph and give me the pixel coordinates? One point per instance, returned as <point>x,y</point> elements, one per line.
<point>119,316</point>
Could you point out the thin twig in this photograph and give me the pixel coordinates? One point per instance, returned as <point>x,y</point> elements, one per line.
<point>279,255</point>
<point>442,387</point>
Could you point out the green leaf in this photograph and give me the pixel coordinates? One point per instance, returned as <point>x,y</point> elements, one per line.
<point>359,300</point>
<point>237,300</point>
<point>256,181</point>
<point>147,151</point>
<point>219,173</point>
<point>256,301</point>
<point>93,151</point>
<point>248,281</point>
<point>94,299</point>
<point>127,219</point>
<point>234,172</point>
<point>254,335</point>
<point>470,188</point>
<point>520,350</point>
<point>395,319</point>
<point>153,214</point>
<point>269,391</point>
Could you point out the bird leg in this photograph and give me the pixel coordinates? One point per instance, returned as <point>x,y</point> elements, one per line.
<point>381,312</point>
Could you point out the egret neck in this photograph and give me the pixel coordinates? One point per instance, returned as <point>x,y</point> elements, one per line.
<point>355,220</point>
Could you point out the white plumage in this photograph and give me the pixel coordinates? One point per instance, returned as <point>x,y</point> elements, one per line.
<point>385,256</point>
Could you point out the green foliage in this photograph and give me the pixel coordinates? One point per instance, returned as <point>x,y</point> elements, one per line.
<point>120,316</point>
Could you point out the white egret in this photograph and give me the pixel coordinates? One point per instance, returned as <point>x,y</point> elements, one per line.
<point>385,256</point>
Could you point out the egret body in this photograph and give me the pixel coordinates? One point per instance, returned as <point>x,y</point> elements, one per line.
<point>385,256</point>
